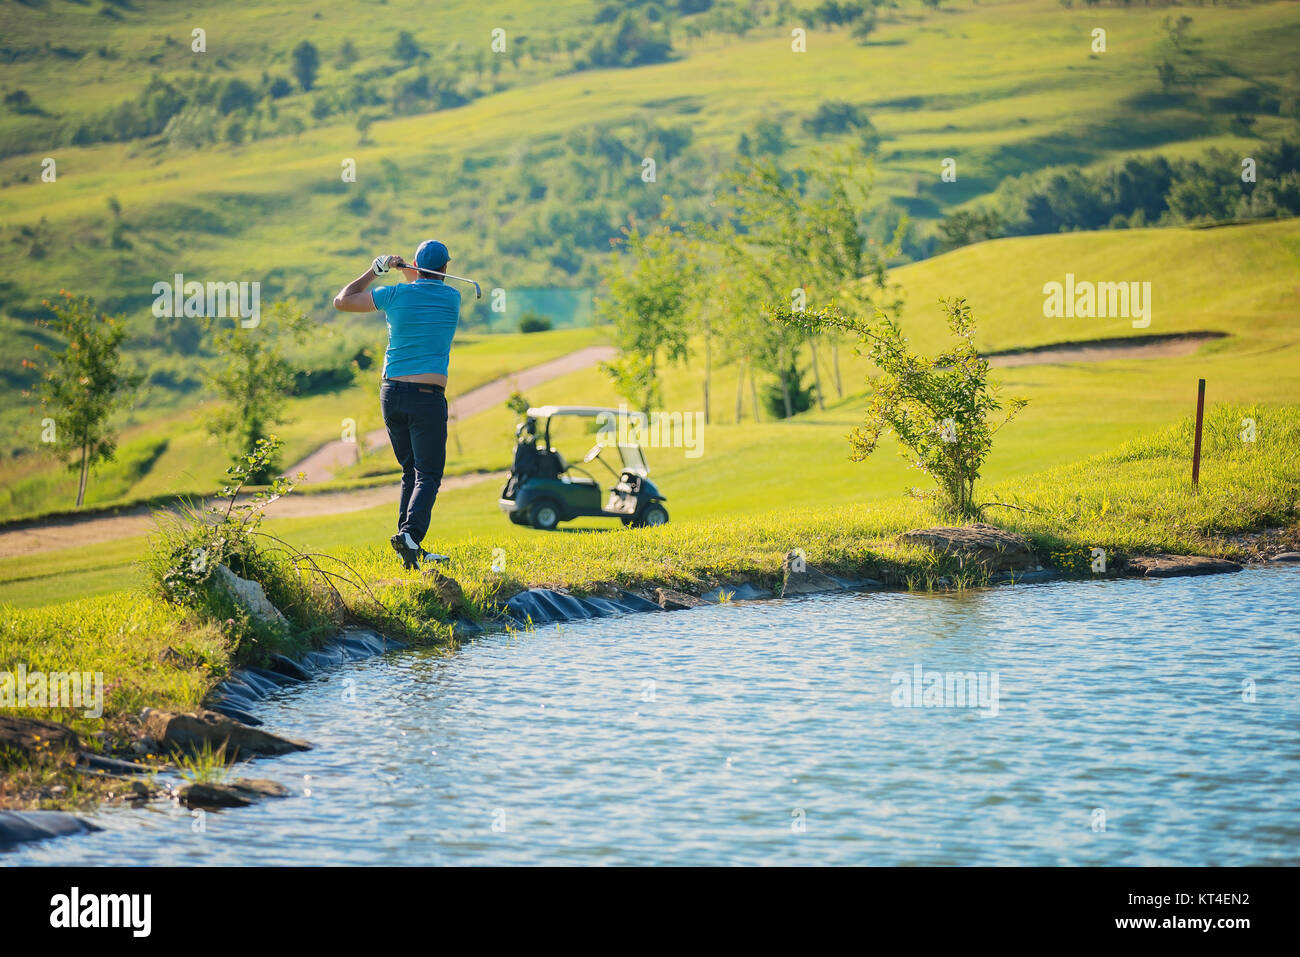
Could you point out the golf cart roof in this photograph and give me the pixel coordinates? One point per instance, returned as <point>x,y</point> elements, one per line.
<point>546,411</point>
<point>629,450</point>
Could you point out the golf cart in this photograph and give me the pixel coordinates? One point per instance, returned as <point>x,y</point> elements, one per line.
<point>544,489</point>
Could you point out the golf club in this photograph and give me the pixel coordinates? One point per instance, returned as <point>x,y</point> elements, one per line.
<point>478,292</point>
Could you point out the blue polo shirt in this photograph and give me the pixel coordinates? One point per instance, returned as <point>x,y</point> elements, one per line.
<point>422,318</point>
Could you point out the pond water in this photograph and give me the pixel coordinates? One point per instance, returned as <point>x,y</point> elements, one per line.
<point>1123,722</point>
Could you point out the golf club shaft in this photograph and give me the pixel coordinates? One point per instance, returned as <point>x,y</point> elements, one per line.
<point>478,293</point>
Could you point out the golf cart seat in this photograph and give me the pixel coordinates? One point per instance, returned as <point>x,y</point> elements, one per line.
<point>549,464</point>
<point>568,474</point>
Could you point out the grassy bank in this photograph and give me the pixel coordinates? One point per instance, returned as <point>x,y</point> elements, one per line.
<point>1134,499</point>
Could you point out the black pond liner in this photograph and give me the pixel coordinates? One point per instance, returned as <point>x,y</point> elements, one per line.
<point>19,827</point>
<point>542,606</point>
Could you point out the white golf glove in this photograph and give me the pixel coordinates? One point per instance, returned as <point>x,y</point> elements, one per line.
<point>381,264</point>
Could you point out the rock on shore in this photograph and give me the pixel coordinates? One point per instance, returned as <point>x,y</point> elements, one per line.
<point>1170,566</point>
<point>214,796</point>
<point>190,731</point>
<point>18,827</point>
<point>28,736</point>
<point>669,599</point>
<point>994,548</point>
<point>800,578</point>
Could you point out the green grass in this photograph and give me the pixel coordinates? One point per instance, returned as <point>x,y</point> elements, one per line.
<point>205,766</point>
<point>1006,87</point>
<point>148,653</point>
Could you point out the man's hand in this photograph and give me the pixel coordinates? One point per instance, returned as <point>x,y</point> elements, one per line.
<point>382,264</point>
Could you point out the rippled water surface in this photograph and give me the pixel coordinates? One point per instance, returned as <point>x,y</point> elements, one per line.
<point>768,733</point>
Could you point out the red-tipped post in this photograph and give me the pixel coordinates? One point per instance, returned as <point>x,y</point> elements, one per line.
<point>1196,448</point>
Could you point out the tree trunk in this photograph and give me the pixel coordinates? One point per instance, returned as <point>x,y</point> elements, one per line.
<point>753,391</point>
<point>785,395</point>
<point>708,368</point>
<point>817,374</point>
<point>835,364</point>
<point>740,390</point>
<point>85,467</point>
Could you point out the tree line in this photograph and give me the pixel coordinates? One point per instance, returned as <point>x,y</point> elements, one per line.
<point>774,236</point>
<point>1140,191</point>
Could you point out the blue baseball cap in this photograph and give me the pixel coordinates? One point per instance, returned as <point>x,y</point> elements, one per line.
<point>432,255</point>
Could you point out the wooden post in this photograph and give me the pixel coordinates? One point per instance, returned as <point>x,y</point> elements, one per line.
<point>1196,448</point>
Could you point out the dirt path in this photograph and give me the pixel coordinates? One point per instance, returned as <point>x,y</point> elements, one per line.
<point>29,539</point>
<point>320,465</point>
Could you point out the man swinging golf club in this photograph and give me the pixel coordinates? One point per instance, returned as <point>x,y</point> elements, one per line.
<point>422,314</point>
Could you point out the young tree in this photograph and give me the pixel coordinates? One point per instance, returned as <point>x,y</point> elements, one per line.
<point>254,380</point>
<point>796,237</point>
<point>648,302</point>
<point>406,49</point>
<point>942,409</point>
<point>756,239</point>
<point>306,63</point>
<point>84,384</point>
<point>969,226</point>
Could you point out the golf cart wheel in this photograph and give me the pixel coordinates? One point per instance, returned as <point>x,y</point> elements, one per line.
<point>652,515</point>
<point>546,515</point>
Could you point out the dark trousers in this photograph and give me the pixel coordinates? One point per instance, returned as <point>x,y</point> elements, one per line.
<point>416,418</point>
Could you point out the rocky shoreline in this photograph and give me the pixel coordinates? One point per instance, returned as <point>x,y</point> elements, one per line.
<point>994,555</point>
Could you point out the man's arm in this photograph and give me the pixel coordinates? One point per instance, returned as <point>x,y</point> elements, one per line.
<point>353,297</point>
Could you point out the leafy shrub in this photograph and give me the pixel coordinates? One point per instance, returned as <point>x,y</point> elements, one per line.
<point>632,40</point>
<point>801,395</point>
<point>941,408</point>
<point>236,95</point>
<point>532,322</point>
<point>835,116</point>
<point>184,553</point>
<point>517,404</point>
